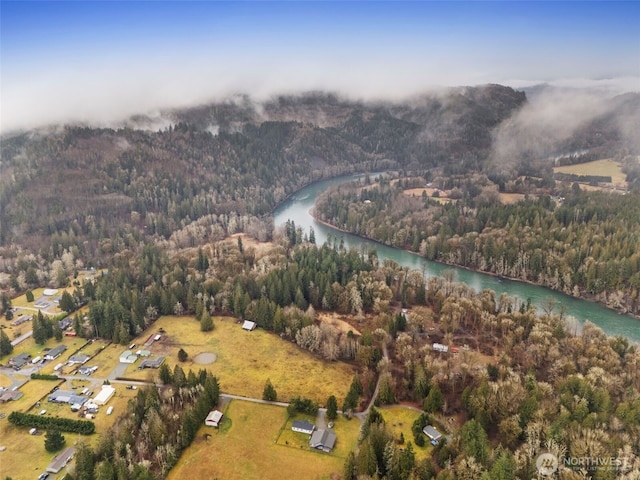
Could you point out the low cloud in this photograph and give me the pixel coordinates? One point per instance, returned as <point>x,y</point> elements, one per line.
<point>106,95</point>
<point>541,128</point>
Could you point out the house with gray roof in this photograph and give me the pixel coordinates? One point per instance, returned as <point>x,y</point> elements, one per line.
<point>433,434</point>
<point>55,352</point>
<point>79,359</point>
<point>60,461</point>
<point>151,363</point>
<point>19,360</point>
<point>323,440</point>
<point>65,396</point>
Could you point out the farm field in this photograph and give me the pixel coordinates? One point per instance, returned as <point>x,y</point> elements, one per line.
<point>25,455</point>
<point>605,167</point>
<point>252,436</point>
<point>245,360</point>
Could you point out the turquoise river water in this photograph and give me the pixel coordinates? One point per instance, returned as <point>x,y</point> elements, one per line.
<point>297,208</point>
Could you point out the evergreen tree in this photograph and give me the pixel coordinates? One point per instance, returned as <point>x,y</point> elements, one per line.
<point>67,303</point>
<point>57,332</point>
<point>165,374</point>
<point>332,408</point>
<point>434,401</point>
<point>5,344</point>
<point>269,393</point>
<point>349,469</point>
<point>182,355</point>
<point>29,296</point>
<point>179,378</point>
<point>206,323</point>
<point>53,441</point>
<point>84,462</point>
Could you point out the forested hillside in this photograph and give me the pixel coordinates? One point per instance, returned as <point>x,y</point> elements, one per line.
<point>80,182</point>
<point>584,244</point>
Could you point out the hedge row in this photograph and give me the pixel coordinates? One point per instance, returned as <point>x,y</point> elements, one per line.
<point>44,376</point>
<point>83,427</point>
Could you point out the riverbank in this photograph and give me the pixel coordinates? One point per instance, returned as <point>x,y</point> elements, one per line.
<point>491,274</point>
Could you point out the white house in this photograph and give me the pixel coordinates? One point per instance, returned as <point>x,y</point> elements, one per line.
<point>303,426</point>
<point>213,419</point>
<point>104,395</point>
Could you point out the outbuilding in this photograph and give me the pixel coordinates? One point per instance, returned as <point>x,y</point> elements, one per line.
<point>248,325</point>
<point>303,426</point>
<point>104,395</point>
<point>213,419</point>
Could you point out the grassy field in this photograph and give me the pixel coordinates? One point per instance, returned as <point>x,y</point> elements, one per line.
<point>399,420</point>
<point>25,456</point>
<point>253,437</point>
<point>4,381</point>
<point>606,167</point>
<point>245,360</point>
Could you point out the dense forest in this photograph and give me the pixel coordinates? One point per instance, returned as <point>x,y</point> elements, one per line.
<point>540,388</point>
<point>583,244</point>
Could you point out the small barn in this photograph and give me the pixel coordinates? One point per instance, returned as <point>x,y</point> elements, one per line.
<point>248,325</point>
<point>213,419</point>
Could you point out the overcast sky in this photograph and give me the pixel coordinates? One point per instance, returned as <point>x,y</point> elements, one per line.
<point>100,61</point>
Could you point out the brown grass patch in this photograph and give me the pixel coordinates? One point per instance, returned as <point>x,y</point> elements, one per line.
<point>5,381</point>
<point>245,360</point>
<point>337,321</point>
<point>511,198</point>
<point>252,450</point>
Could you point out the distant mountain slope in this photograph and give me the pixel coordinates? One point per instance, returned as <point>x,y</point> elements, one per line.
<point>77,186</point>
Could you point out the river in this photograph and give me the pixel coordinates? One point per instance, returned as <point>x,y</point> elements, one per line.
<point>297,208</point>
